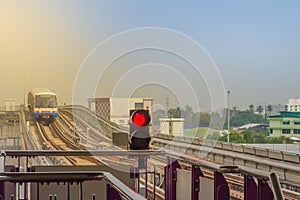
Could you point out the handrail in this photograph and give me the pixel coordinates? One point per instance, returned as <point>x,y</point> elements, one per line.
<point>28,176</point>
<point>71,176</point>
<point>33,153</point>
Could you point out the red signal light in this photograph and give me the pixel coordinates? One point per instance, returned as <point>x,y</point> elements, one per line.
<point>139,119</point>
<point>139,129</point>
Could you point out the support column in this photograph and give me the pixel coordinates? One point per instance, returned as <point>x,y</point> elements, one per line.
<point>112,193</point>
<point>250,188</point>
<point>2,190</point>
<point>264,191</point>
<point>196,173</point>
<point>170,179</point>
<point>221,189</point>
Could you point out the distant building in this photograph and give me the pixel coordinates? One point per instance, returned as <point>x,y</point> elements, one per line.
<point>171,125</point>
<point>275,109</point>
<point>286,124</point>
<point>117,109</point>
<point>293,105</point>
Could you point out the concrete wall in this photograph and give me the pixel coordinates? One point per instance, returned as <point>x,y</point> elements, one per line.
<point>171,125</point>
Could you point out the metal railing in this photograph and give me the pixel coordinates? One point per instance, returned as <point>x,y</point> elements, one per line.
<point>260,188</point>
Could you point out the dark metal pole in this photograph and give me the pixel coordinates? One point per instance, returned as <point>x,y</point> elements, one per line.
<point>68,192</point>
<point>81,191</point>
<point>37,191</point>
<point>154,182</point>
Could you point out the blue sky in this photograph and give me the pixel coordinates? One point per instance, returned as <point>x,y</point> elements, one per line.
<point>255,44</point>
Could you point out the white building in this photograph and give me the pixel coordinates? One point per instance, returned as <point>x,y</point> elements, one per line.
<point>293,105</point>
<point>171,125</point>
<point>117,109</point>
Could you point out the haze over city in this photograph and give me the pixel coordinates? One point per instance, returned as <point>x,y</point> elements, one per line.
<point>255,45</point>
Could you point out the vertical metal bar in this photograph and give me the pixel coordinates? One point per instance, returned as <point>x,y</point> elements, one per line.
<point>38,191</point>
<point>137,172</point>
<point>81,191</point>
<point>146,178</point>
<point>68,191</point>
<point>221,189</point>
<point>250,188</point>
<point>196,173</point>
<point>154,183</point>
<point>25,184</point>
<point>18,170</point>
<point>264,191</point>
<point>146,184</point>
<point>2,188</point>
<point>18,185</point>
<point>166,181</point>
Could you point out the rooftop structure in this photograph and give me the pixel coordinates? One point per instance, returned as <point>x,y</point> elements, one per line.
<point>117,109</point>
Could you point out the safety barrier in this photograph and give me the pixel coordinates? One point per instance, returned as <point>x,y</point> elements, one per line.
<point>256,184</point>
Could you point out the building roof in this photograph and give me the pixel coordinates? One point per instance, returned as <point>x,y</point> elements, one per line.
<point>247,126</point>
<point>286,114</point>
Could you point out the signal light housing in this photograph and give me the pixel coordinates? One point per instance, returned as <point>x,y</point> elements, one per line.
<point>139,136</point>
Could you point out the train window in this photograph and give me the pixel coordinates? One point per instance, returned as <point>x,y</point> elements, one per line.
<point>138,106</point>
<point>45,101</point>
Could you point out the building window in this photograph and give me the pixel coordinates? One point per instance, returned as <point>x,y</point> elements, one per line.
<point>286,131</point>
<point>271,131</point>
<point>296,131</point>
<point>138,105</point>
<point>297,122</point>
<point>286,122</point>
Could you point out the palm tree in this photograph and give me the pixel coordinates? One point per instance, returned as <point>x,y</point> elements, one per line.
<point>251,108</point>
<point>259,109</point>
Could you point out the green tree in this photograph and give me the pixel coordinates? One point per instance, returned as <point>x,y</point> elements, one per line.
<point>157,115</point>
<point>205,119</point>
<point>259,109</point>
<point>246,117</point>
<point>175,112</point>
<point>188,115</point>
<point>234,110</point>
<point>251,108</point>
<point>270,108</point>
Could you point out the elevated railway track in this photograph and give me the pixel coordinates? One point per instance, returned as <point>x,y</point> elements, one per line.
<point>78,122</point>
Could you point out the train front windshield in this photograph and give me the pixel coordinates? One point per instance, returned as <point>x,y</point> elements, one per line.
<point>45,101</point>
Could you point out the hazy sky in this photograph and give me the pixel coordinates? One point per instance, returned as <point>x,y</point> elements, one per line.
<point>255,44</point>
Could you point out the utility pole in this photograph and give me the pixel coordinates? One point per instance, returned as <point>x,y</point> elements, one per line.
<point>24,100</point>
<point>228,116</point>
<point>167,104</point>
